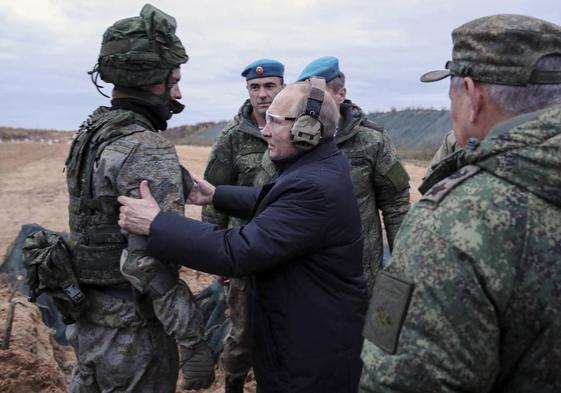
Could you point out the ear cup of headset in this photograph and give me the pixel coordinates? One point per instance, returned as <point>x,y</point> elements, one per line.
<point>306,132</point>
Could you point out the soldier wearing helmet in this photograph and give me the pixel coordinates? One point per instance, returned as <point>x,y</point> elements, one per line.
<point>136,305</point>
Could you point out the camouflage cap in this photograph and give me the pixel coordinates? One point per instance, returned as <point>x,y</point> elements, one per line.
<point>141,50</point>
<point>502,49</point>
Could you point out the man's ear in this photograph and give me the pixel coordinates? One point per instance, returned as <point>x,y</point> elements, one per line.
<point>341,95</point>
<point>474,91</point>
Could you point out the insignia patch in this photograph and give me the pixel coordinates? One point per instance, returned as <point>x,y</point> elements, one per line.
<point>443,187</point>
<point>259,70</point>
<point>398,176</point>
<point>387,311</point>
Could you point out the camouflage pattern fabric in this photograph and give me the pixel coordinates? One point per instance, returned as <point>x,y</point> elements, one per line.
<point>235,159</point>
<point>502,49</point>
<point>480,253</point>
<point>236,355</point>
<point>379,180</point>
<point>120,351</point>
<point>141,50</point>
<point>447,147</point>
<point>121,166</point>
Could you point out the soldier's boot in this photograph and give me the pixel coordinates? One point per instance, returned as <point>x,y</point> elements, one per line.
<point>234,385</point>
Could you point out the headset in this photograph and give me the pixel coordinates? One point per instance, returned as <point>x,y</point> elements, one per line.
<point>307,130</point>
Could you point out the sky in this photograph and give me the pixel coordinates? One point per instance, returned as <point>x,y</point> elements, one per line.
<point>47,47</point>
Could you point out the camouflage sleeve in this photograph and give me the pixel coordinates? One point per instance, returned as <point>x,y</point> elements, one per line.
<point>447,147</point>
<point>431,324</point>
<point>265,172</point>
<point>154,160</point>
<point>391,187</point>
<point>141,156</point>
<point>220,170</point>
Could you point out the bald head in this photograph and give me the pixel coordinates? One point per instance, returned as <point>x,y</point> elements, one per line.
<point>291,102</point>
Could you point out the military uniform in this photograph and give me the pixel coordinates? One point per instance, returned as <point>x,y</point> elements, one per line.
<point>471,299</point>
<point>235,159</point>
<point>134,303</point>
<point>447,147</point>
<point>482,249</point>
<point>379,180</point>
<point>118,331</point>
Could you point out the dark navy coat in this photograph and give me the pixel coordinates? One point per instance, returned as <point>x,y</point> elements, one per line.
<point>303,247</point>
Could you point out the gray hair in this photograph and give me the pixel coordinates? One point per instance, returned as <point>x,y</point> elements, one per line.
<point>515,100</point>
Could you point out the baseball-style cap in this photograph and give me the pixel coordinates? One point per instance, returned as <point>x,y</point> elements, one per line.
<point>263,68</point>
<point>502,49</point>
<point>326,67</point>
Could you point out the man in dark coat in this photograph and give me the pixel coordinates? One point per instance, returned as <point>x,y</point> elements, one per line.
<point>303,246</point>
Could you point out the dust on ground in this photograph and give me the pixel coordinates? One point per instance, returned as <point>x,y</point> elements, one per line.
<point>33,190</point>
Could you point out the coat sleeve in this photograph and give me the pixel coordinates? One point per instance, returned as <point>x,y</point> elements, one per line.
<point>289,227</point>
<point>449,338</point>
<point>144,156</point>
<point>391,187</point>
<point>220,170</point>
<point>237,201</point>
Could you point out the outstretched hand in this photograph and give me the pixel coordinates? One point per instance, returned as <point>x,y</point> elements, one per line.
<point>201,193</point>
<point>136,215</point>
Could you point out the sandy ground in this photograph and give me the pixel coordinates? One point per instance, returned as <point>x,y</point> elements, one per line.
<point>33,190</point>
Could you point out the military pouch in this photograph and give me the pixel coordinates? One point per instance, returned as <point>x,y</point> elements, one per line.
<point>48,263</point>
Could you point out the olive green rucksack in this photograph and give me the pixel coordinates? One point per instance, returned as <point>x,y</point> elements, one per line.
<point>48,263</point>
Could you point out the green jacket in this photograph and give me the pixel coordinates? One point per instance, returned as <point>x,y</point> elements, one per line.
<point>379,180</point>
<point>380,183</point>
<point>480,254</point>
<point>234,160</point>
<point>447,147</point>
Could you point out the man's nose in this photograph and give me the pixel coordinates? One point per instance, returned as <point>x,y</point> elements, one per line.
<point>263,92</point>
<point>266,131</point>
<point>176,92</point>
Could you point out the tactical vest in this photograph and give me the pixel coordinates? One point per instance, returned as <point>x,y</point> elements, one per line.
<point>96,240</point>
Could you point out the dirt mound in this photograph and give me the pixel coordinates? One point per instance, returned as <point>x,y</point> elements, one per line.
<point>34,362</point>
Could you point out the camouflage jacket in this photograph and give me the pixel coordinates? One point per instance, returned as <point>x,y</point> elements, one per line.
<point>447,147</point>
<point>471,300</point>
<point>235,159</point>
<point>121,164</point>
<point>379,180</point>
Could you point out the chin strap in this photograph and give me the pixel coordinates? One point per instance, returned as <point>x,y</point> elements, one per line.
<point>94,76</point>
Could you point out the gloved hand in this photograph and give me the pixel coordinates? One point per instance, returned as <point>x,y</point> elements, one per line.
<point>197,364</point>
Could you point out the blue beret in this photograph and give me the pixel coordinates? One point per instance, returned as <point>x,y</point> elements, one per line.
<point>326,67</point>
<point>263,68</point>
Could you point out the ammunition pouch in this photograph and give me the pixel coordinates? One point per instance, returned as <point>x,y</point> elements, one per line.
<point>48,263</point>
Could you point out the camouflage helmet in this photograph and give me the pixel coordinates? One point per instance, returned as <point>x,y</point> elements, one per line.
<point>141,50</point>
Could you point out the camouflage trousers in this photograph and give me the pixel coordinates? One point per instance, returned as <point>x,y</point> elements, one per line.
<point>236,356</point>
<point>119,351</point>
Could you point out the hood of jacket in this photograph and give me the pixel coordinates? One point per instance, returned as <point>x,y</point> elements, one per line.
<point>351,116</point>
<point>245,121</point>
<point>524,150</point>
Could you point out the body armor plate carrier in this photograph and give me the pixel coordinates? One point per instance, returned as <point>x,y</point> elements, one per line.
<point>96,240</point>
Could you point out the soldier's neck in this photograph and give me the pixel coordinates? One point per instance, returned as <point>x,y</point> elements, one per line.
<point>259,119</point>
